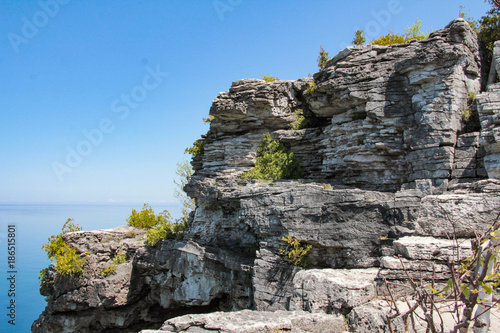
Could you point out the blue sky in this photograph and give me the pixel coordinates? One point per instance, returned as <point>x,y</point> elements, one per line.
<point>124,84</point>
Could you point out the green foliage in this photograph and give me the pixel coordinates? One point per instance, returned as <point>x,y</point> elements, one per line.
<point>311,87</point>
<point>300,121</point>
<point>120,259</point>
<point>111,269</point>
<point>184,171</point>
<point>64,259</point>
<point>209,119</point>
<point>273,162</point>
<point>322,58</point>
<point>466,114</point>
<point>295,251</point>
<point>197,149</point>
<point>146,218</point>
<point>166,230</point>
<point>269,78</point>
<point>412,32</point>
<point>359,38</point>
<point>489,28</point>
<point>158,226</point>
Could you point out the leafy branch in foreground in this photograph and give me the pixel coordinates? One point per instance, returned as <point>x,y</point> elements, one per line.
<point>470,287</point>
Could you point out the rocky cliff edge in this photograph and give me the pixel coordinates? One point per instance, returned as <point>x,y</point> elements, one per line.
<point>391,167</point>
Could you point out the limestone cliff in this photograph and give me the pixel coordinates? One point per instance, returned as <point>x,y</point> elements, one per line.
<point>391,166</point>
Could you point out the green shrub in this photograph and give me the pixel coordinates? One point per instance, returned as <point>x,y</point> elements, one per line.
<point>269,78</point>
<point>64,259</point>
<point>165,230</point>
<point>359,38</point>
<point>412,32</point>
<point>120,259</point>
<point>197,149</point>
<point>209,119</point>
<point>159,226</point>
<point>295,251</point>
<point>111,269</point>
<point>146,218</point>
<point>273,162</point>
<point>489,28</point>
<point>322,57</point>
<point>300,121</point>
<point>311,87</point>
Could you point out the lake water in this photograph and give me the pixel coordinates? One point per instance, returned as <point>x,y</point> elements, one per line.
<point>34,224</point>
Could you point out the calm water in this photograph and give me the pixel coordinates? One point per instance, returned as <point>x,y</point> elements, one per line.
<point>34,225</point>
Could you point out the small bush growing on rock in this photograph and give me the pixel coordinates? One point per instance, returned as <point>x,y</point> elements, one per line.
<point>412,32</point>
<point>209,119</point>
<point>111,269</point>
<point>166,230</point>
<point>359,38</point>
<point>273,162</point>
<point>295,251</point>
<point>64,259</point>
<point>466,114</point>
<point>197,149</point>
<point>159,226</point>
<point>322,57</point>
<point>300,121</point>
<point>311,87</point>
<point>120,259</point>
<point>269,78</point>
<point>144,219</point>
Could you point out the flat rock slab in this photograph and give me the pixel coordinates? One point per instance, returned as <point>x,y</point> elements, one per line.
<point>331,290</point>
<point>254,321</point>
<point>430,248</point>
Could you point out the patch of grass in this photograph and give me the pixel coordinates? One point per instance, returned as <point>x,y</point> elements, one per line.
<point>111,269</point>
<point>120,259</point>
<point>300,121</point>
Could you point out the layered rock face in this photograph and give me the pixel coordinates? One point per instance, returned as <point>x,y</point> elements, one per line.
<point>391,167</point>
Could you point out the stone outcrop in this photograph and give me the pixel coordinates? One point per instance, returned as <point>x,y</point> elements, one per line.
<point>391,168</point>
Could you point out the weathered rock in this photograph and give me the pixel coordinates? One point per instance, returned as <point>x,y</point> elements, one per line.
<point>159,283</point>
<point>255,321</point>
<point>380,116</point>
<point>333,290</point>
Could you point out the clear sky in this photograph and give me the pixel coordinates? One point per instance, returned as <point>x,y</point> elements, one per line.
<point>99,99</point>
